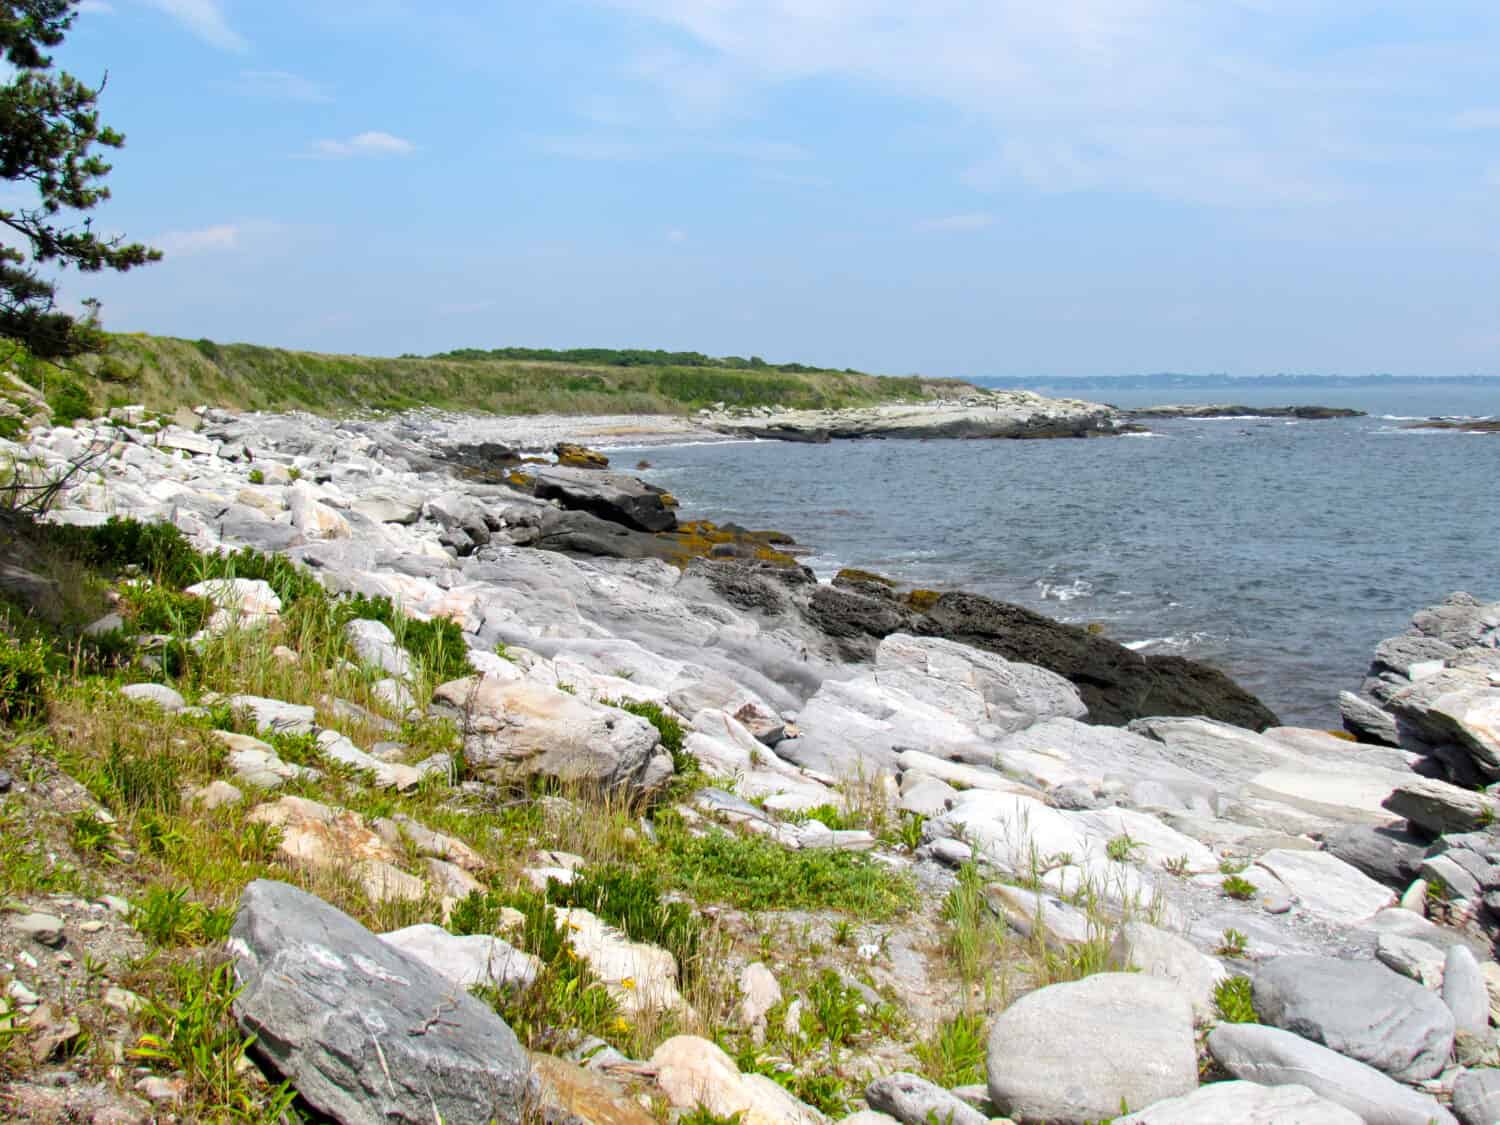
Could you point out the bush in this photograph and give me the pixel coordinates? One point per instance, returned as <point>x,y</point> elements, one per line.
<point>70,402</point>
<point>666,725</point>
<point>1232,998</point>
<point>159,609</point>
<point>23,680</point>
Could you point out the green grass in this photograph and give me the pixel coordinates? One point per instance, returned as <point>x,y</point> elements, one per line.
<point>954,1054</point>
<point>1233,1001</point>
<point>164,372</point>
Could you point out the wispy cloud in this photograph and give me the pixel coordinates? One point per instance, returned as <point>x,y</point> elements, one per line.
<point>1241,103</point>
<point>205,19</point>
<point>978,220</point>
<point>278,85</point>
<point>373,143</point>
<point>207,240</point>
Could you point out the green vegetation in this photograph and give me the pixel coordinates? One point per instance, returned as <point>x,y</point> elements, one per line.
<point>666,725</point>
<point>163,373</point>
<point>630,357</point>
<point>1238,887</point>
<point>954,1054</point>
<point>630,899</point>
<point>1232,999</point>
<point>1232,943</point>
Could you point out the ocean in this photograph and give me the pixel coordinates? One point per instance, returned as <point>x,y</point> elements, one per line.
<point>1279,551</point>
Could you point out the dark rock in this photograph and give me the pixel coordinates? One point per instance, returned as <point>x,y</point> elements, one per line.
<point>585,534</point>
<point>856,621</point>
<point>756,587</point>
<point>485,460</point>
<point>1118,685</point>
<point>610,496</point>
<point>1387,855</point>
<point>367,1034</point>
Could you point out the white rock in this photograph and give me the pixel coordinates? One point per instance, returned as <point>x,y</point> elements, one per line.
<point>691,1071</point>
<point>471,960</point>
<point>1327,886</point>
<point>1158,953</point>
<point>1244,1103</point>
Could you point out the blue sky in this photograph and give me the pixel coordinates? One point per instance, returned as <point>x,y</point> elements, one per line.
<point>958,187</point>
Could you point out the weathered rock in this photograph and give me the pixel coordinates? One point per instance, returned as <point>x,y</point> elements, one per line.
<point>640,976</point>
<point>367,1034</point>
<point>517,730</point>
<point>1388,855</point>
<point>1456,705</point>
<point>1464,991</point>
<point>916,1101</point>
<point>326,838</point>
<point>471,960</point>
<point>1273,1057</point>
<point>45,929</point>
<point>276,716</point>
<point>760,992</point>
<point>1368,720</point>
<point>374,643</point>
<point>571,1095</point>
<point>609,496</point>
<point>1476,1096</point>
<point>1413,958</point>
<point>243,597</point>
<point>1244,1103</point>
<point>1071,1053</point>
<point>160,694</point>
<point>693,1072</point>
<point>1327,886</point>
<point>1440,808</point>
<point>1360,1009</point>
<point>1161,954</point>
<point>1046,918</point>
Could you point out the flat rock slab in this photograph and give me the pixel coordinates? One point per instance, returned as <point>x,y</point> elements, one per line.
<point>367,1034</point>
<point>1072,1053</point>
<point>1272,1057</point>
<point>1360,1009</point>
<point>1440,807</point>
<point>1351,795</point>
<point>1327,886</point>
<point>1245,1103</point>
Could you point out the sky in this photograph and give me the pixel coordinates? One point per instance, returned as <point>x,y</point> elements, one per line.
<point>952,187</point>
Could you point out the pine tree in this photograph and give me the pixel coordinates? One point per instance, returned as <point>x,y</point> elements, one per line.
<point>49,130</point>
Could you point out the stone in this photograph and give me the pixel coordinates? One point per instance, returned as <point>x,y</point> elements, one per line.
<point>760,993</point>
<point>1368,720</point>
<point>1441,808</point>
<point>383,775</point>
<point>1386,854</point>
<point>44,929</point>
<point>915,1101</point>
<point>571,1095</point>
<point>1158,953</point>
<point>244,597</point>
<point>1326,886</point>
<point>216,794</point>
<point>1350,795</point>
<point>1413,958</point>
<point>1033,914</point>
<point>374,644</point>
<point>1464,991</point>
<point>471,960</point>
<point>640,976</point>
<point>164,697</point>
<point>1476,1096</point>
<point>366,1033</point>
<point>1244,1103</point>
<point>325,838</point>
<point>513,731</point>
<point>1360,1009</point>
<point>1273,1057</point>
<point>313,518</point>
<point>276,716</point>
<point>1071,1053</point>
<point>692,1071</point>
<point>612,497</point>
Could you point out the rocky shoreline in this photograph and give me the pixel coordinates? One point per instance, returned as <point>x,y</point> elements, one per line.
<point>1141,826</point>
<point>1228,410</point>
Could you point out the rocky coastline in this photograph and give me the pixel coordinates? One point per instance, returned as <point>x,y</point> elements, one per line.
<point>1229,410</point>
<point>1174,909</point>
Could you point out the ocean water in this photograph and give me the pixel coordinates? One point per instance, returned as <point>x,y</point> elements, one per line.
<point>1279,551</point>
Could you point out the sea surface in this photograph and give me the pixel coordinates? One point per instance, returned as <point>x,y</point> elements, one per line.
<point>1279,551</point>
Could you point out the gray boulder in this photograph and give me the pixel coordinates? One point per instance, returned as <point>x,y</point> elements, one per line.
<point>1244,1103</point>
<point>1272,1057</point>
<point>1476,1096</point>
<point>1359,1008</point>
<point>1387,855</point>
<point>1072,1053</point>
<point>1464,991</point>
<point>367,1034</point>
<point>1368,720</point>
<point>916,1101</point>
<point>1440,808</point>
<point>610,496</point>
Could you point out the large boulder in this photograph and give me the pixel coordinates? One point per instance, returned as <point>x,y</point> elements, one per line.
<point>1272,1057</point>
<point>1074,1053</point>
<point>519,729</point>
<point>610,496</point>
<point>367,1034</point>
<point>1244,1103</point>
<point>1360,1009</point>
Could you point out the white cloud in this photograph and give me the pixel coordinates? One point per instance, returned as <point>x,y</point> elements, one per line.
<point>975,221</point>
<point>373,143</point>
<point>205,19</point>
<point>1247,102</point>
<point>279,85</point>
<point>208,240</point>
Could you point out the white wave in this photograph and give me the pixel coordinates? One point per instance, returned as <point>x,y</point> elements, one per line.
<point>1065,591</point>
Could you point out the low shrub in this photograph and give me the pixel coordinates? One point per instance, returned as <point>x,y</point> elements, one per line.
<point>666,725</point>
<point>23,680</point>
<point>1233,999</point>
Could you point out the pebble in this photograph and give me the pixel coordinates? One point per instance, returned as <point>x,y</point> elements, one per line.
<point>21,994</point>
<point>159,1089</point>
<point>1276,904</point>
<point>93,926</point>
<point>44,928</point>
